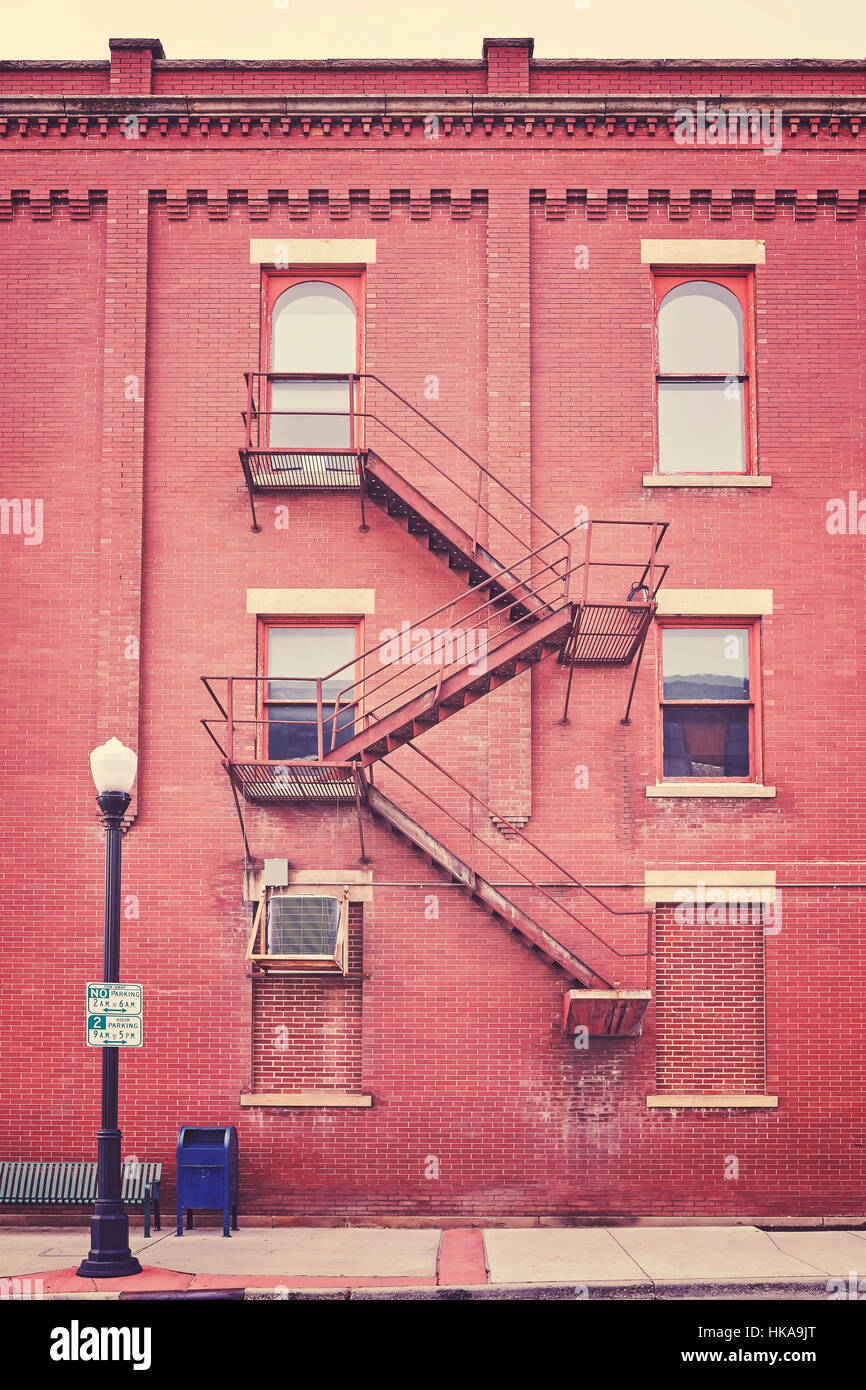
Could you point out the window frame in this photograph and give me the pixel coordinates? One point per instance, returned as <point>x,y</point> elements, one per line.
<point>276,281</point>
<point>753,704</point>
<point>740,281</point>
<point>353,282</point>
<point>265,623</point>
<point>260,957</point>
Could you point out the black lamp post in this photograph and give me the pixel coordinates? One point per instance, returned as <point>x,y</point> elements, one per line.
<point>113,768</point>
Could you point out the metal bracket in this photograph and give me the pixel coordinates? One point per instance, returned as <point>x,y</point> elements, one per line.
<point>625,719</point>
<point>248,479</point>
<point>248,858</point>
<point>570,644</point>
<point>358,778</point>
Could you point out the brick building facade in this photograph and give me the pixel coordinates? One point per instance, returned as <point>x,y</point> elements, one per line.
<point>537,297</point>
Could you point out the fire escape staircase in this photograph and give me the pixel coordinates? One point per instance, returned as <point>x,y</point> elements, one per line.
<point>385,487</point>
<point>559,597</point>
<point>592,1001</point>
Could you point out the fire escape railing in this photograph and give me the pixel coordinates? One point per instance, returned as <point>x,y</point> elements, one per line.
<point>370,687</point>
<point>478,499</point>
<point>468,826</point>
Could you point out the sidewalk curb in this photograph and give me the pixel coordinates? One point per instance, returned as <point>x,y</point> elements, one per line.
<point>740,1290</point>
<point>744,1290</point>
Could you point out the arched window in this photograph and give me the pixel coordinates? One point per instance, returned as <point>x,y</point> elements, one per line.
<point>313,330</point>
<point>703,375</point>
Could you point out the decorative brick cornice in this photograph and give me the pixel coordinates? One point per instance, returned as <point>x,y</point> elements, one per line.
<point>42,204</point>
<point>424,118</point>
<point>681,203</point>
<point>376,203</point>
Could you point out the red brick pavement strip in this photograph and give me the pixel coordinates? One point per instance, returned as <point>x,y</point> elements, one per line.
<point>66,1281</point>
<point>461,1258</point>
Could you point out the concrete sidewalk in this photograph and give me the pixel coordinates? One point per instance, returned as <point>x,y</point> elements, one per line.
<point>621,1262</point>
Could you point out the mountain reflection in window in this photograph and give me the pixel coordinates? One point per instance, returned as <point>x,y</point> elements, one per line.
<point>701,663</point>
<point>706,732</point>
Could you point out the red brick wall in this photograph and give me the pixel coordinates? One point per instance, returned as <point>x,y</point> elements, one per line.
<point>508,65</point>
<point>64,78</point>
<point>369,80</point>
<point>704,79</point>
<point>458,1038</point>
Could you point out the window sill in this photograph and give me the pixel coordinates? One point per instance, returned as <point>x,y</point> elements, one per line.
<point>721,1102</point>
<point>706,480</point>
<point>735,789</point>
<point>308,1098</point>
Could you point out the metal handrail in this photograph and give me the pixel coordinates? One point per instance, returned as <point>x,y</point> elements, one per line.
<point>494,608</point>
<point>617,911</point>
<point>360,455</point>
<point>530,882</point>
<point>360,452</point>
<point>363,689</point>
<point>518,590</point>
<point>425,419</point>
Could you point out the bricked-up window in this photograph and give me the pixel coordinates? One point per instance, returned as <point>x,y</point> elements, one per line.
<point>709,711</point>
<point>710,999</point>
<point>307,1028</point>
<point>311,330</point>
<point>704,372</point>
<point>292,654</point>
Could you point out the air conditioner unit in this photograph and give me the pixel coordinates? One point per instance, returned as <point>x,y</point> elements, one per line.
<point>303,933</point>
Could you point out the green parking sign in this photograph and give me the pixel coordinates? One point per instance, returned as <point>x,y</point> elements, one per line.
<point>114,1015</point>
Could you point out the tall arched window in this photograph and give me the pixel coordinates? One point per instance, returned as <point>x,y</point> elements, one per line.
<point>313,331</point>
<point>703,375</point>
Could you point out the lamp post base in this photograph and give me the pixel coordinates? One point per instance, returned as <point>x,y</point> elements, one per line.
<point>110,1256</point>
<point>108,1269</point>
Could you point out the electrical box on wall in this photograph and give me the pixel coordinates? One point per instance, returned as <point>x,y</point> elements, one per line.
<point>276,873</point>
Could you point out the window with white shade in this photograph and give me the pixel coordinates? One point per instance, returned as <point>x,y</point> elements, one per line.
<point>313,350</point>
<point>704,373</point>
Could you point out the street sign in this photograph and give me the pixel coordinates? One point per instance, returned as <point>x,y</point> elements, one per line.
<point>113,1015</point>
<point>113,999</point>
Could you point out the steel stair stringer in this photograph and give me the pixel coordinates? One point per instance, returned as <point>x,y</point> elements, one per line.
<point>387,488</point>
<point>478,888</point>
<point>442,698</point>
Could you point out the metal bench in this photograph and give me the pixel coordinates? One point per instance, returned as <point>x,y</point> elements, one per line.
<point>74,1184</point>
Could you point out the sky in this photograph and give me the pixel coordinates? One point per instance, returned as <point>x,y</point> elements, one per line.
<point>437,28</point>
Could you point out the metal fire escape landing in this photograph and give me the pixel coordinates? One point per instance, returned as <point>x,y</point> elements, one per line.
<point>575,594</point>
<point>460,651</point>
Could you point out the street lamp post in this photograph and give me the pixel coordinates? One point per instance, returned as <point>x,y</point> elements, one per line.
<point>113,768</point>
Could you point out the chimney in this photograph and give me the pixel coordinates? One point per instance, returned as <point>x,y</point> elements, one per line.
<point>132,65</point>
<point>508,64</point>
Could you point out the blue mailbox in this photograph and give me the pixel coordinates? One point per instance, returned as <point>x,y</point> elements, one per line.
<point>207,1173</point>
